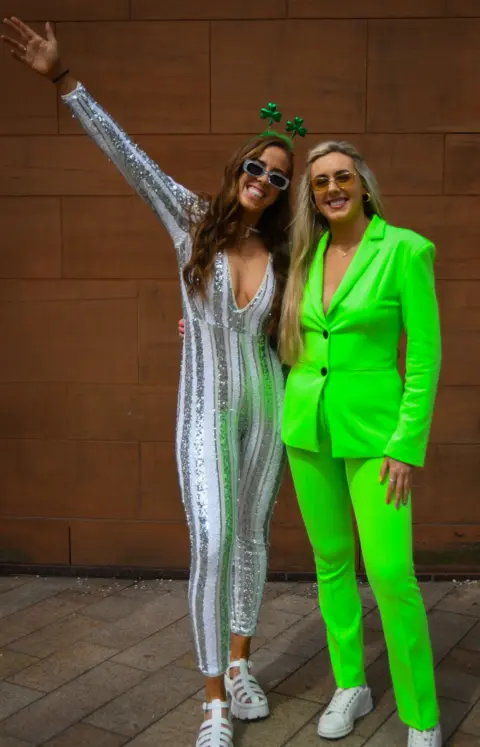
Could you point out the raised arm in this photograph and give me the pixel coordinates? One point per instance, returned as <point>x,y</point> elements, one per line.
<point>176,206</point>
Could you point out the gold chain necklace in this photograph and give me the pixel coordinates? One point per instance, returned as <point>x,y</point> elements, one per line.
<point>345,253</point>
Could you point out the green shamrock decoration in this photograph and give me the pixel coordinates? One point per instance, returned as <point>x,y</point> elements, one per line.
<point>296,127</point>
<point>271,113</point>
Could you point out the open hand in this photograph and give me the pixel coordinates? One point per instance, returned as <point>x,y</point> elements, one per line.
<point>399,480</point>
<point>36,52</point>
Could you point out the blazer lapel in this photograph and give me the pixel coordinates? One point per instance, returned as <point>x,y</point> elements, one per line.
<point>369,246</point>
<point>313,304</point>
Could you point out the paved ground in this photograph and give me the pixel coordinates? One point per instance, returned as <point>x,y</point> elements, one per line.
<point>104,663</point>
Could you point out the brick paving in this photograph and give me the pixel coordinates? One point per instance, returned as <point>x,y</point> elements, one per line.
<point>105,663</point>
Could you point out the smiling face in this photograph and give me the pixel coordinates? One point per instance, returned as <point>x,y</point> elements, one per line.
<point>255,193</point>
<point>337,188</point>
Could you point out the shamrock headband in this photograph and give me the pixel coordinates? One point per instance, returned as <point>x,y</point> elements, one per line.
<point>296,127</point>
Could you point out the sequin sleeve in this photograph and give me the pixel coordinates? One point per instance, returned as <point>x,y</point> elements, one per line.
<point>175,205</point>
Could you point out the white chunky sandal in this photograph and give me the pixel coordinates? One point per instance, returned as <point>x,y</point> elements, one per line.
<point>248,701</point>
<point>218,730</point>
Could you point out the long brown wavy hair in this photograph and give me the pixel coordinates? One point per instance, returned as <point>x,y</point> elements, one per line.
<point>221,227</point>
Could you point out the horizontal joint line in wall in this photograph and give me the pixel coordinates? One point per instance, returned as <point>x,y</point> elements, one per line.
<point>64,300</point>
<point>370,18</point>
<point>79,279</point>
<point>89,279</point>
<point>65,382</point>
<point>123,520</point>
<point>137,278</point>
<point>94,519</point>
<point>134,279</point>
<point>75,440</point>
<point>80,439</point>
<point>44,195</point>
<point>214,133</point>
<point>283,17</point>
<point>70,382</point>
<point>416,524</point>
<point>210,20</point>
<point>13,517</point>
<point>123,20</point>
<point>158,385</point>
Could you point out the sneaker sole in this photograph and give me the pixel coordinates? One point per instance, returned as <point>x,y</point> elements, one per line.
<point>345,732</point>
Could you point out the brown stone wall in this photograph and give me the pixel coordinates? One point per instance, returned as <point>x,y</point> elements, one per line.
<point>89,295</point>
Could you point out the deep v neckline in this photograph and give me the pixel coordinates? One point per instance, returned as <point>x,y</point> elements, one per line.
<point>358,264</point>
<point>369,248</point>
<point>324,257</point>
<point>349,276</point>
<point>259,289</point>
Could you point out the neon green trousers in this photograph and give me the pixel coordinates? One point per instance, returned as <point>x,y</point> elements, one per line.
<point>326,489</point>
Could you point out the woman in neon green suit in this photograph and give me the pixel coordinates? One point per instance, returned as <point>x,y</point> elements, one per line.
<point>354,429</point>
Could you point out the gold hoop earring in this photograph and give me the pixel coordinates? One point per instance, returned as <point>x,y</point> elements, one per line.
<point>367,197</point>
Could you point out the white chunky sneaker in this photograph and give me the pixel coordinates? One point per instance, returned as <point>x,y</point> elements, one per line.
<point>428,738</point>
<point>218,730</point>
<point>248,701</point>
<point>344,709</point>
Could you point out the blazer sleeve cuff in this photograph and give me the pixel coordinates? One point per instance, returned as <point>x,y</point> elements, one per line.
<point>408,454</point>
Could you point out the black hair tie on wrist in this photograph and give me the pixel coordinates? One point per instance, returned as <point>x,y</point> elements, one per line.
<point>59,77</point>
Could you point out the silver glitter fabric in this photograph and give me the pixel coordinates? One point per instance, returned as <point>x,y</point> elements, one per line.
<point>229,451</point>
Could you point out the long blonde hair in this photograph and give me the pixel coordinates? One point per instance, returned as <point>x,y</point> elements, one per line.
<point>308,227</point>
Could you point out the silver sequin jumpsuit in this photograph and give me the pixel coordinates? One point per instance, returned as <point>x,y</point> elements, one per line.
<point>228,446</point>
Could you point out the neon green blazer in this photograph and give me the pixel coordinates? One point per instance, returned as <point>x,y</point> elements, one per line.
<point>349,365</point>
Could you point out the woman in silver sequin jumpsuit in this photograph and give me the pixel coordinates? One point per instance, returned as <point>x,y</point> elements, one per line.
<point>229,452</point>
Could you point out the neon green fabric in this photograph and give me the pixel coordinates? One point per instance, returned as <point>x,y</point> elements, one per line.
<point>323,485</point>
<point>351,353</point>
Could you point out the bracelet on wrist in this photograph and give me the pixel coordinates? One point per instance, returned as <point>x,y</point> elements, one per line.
<point>59,77</point>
